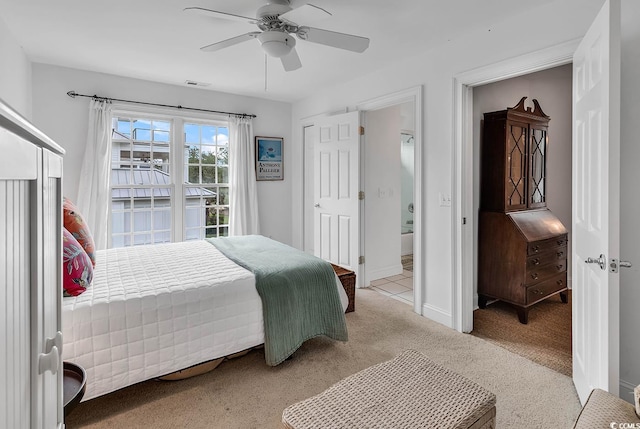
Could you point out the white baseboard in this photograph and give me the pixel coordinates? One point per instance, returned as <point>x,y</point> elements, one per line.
<point>381,273</point>
<point>626,390</point>
<point>438,315</point>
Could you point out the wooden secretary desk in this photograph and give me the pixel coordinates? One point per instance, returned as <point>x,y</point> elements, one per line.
<point>522,246</point>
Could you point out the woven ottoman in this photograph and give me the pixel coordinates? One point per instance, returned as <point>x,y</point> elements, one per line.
<point>407,392</point>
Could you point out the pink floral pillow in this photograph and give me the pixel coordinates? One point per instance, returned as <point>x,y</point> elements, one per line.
<point>76,225</point>
<point>77,269</point>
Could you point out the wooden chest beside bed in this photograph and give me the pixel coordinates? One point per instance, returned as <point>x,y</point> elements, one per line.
<point>348,280</point>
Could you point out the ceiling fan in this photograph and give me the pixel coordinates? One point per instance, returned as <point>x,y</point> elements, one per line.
<point>276,35</point>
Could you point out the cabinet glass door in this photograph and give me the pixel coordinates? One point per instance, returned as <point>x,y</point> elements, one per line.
<point>537,167</point>
<point>516,182</point>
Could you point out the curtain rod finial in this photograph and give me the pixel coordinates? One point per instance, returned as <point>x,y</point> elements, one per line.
<point>72,94</point>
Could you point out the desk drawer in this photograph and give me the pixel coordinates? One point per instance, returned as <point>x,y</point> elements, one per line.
<point>541,272</point>
<point>542,246</point>
<point>545,288</point>
<point>539,260</point>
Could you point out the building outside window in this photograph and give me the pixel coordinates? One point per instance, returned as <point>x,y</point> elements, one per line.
<point>168,185</point>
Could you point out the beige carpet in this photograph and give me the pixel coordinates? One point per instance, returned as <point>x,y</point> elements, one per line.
<point>546,339</point>
<point>245,393</point>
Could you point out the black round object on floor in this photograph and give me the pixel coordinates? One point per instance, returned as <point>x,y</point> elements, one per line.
<point>74,385</point>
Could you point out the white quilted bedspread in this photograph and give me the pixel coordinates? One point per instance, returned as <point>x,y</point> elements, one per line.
<point>166,307</point>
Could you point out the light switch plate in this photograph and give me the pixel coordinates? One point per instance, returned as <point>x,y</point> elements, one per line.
<point>445,200</point>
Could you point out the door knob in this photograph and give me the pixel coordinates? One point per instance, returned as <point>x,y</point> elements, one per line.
<point>316,205</point>
<point>49,361</point>
<point>615,264</point>
<point>601,261</point>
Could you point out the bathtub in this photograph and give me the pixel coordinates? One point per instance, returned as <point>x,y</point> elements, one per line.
<point>406,243</point>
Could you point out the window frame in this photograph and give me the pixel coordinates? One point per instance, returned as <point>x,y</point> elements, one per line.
<point>177,165</point>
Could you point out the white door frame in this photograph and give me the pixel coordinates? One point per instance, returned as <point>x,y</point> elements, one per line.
<point>410,95</point>
<point>462,180</point>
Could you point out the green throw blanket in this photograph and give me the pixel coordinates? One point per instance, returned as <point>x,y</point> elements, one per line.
<point>299,295</point>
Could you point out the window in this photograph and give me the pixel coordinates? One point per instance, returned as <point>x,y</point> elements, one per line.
<point>207,181</point>
<point>168,185</point>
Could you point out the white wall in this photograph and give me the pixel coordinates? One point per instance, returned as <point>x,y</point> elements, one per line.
<point>382,193</point>
<point>629,200</point>
<point>15,73</point>
<point>65,120</point>
<point>552,89</point>
<point>435,70</point>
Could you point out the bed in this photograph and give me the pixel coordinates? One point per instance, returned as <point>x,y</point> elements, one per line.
<point>154,310</point>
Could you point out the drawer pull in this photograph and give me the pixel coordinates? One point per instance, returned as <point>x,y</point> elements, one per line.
<point>560,254</point>
<point>535,248</point>
<point>536,261</point>
<point>560,242</point>
<point>537,292</point>
<point>559,282</point>
<point>559,267</point>
<point>534,276</point>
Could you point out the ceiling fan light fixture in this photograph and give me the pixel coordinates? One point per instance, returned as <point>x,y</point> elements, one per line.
<point>276,43</point>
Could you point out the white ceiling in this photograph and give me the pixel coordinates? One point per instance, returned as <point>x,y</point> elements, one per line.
<point>155,40</point>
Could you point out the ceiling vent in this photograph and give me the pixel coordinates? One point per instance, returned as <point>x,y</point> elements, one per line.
<point>194,83</point>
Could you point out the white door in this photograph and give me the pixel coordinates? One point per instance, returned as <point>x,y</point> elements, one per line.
<point>336,186</point>
<point>308,139</point>
<point>596,204</point>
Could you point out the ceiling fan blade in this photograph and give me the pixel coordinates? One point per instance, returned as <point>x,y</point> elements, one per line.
<point>305,12</point>
<point>230,42</point>
<point>333,38</point>
<point>297,3</point>
<point>291,61</point>
<point>223,15</point>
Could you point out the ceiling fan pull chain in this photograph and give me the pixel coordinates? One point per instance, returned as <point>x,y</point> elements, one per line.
<point>265,72</point>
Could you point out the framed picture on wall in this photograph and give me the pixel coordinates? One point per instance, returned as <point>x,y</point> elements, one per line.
<point>269,158</point>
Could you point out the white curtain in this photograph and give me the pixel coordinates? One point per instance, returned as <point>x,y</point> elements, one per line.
<point>94,195</point>
<point>242,178</point>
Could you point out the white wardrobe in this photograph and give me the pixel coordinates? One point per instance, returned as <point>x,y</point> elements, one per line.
<point>30,275</point>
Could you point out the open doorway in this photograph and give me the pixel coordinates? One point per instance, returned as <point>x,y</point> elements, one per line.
<point>412,98</point>
<point>546,339</point>
<point>389,183</point>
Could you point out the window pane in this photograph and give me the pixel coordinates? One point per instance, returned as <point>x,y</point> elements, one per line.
<point>142,134</point>
<point>120,222</point>
<point>120,240</point>
<point>123,127</point>
<point>193,234</point>
<point>223,136</point>
<point>209,154</point>
<point>161,131</point>
<point>208,134</point>
<point>223,156</point>
<point>223,216</point>
<point>208,174</point>
<point>161,220</point>
<point>142,200</point>
<point>162,237</point>
<point>142,221</point>
<point>223,174</point>
<point>211,232</point>
<point>191,133</point>
<point>193,154</point>
<point>211,217</point>
<point>223,198</point>
<point>224,231</point>
<point>141,239</point>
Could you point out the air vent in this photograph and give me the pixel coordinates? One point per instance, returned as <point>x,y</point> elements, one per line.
<point>194,83</point>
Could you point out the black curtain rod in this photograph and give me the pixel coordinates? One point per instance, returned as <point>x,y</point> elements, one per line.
<point>74,94</point>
